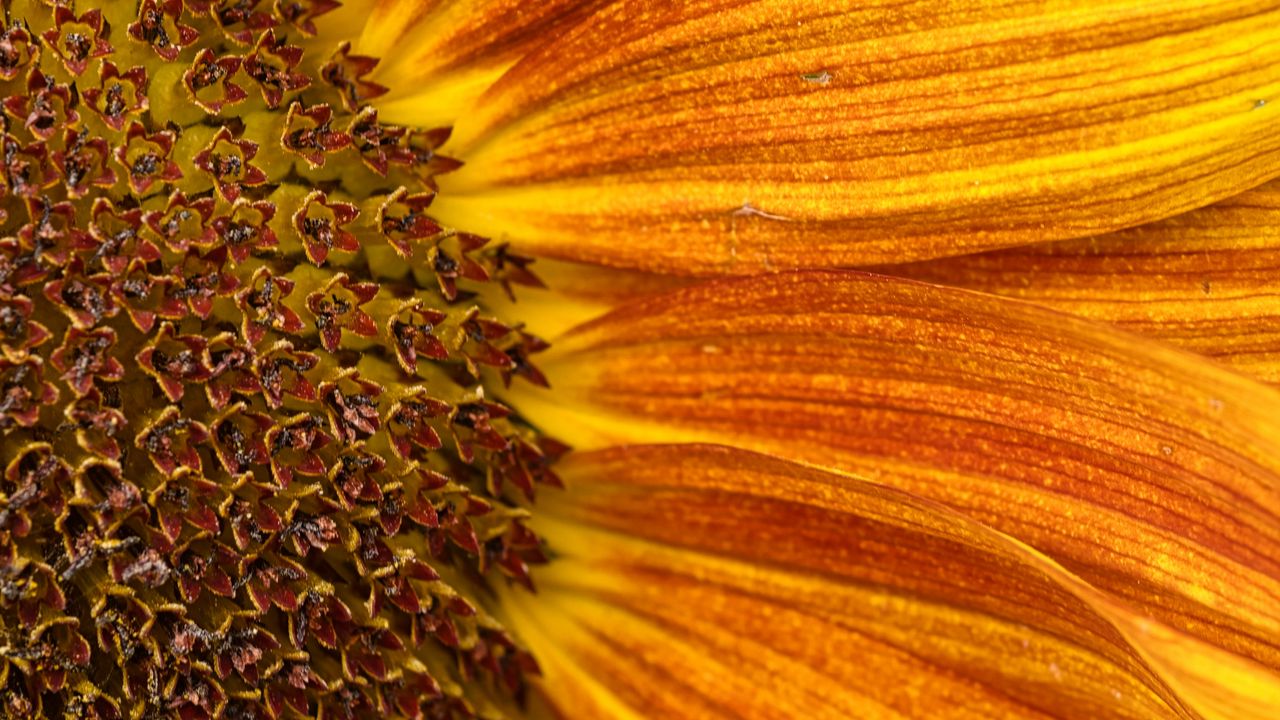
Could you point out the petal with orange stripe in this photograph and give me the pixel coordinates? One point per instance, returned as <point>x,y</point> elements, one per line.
<point>1207,281</point>
<point>1150,472</point>
<point>438,57</point>
<point>709,137</point>
<point>697,582</point>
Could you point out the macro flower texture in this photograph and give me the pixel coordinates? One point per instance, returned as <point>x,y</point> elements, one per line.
<point>633,359</point>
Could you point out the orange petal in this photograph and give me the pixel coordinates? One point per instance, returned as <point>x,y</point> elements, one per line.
<point>698,139</point>
<point>1207,281</point>
<point>1152,473</point>
<point>697,581</point>
<point>438,57</point>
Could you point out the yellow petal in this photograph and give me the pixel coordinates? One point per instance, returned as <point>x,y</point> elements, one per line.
<point>1152,473</point>
<point>697,139</point>
<point>1207,281</point>
<point>575,293</point>
<point>696,581</point>
<point>438,57</point>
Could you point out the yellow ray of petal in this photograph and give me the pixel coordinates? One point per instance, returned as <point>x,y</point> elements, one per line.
<point>699,581</point>
<point>438,57</point>
<point>1207,281</point>
<point>604,286</point>
<point>1118,457</point>
<point>699,139</point>
<point>575,293</point>
<point>345,22</point>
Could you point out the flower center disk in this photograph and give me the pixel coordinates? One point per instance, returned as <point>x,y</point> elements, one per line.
<point>249,465</point>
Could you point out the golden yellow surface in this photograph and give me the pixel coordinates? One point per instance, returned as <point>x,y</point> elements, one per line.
<point>1151,474</point>
<point>777,134</point>
<point>701,581</point>
<point>1207,281</point>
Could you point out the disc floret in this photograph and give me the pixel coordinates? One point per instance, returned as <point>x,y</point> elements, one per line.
<point>250,468</point>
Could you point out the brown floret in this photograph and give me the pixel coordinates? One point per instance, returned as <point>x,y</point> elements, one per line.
<point>250,469</point>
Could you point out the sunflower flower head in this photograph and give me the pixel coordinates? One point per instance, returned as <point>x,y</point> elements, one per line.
<point>250,467</point>
<point>919,360</point>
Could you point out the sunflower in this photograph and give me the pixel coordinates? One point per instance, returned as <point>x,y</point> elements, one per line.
<point>916,359</point>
